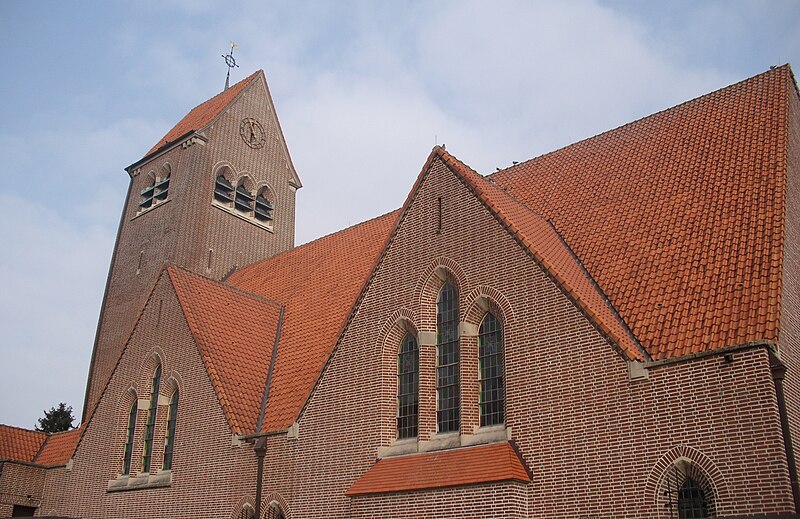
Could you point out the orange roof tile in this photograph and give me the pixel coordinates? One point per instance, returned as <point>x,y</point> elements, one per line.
<point>20,444</point>
<point>235,332</point>
<point>318,284</point>
<point>204,113</point>
<point>58,448</point>
<point>551,251</point>
<point>484,464</point>
<point>678,216</point>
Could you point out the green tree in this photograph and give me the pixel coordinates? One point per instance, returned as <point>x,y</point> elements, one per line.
<point>56,419</point>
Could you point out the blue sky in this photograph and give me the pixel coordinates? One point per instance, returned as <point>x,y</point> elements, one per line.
<point>363,91</point>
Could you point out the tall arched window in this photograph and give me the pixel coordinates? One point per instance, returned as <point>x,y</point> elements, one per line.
<point>407,387</point>
<point>692,502</point>
<point>129,434</point>
<point>169,446</point>
<point>448,387</point>
<point>490,362</point>
<point>151,421</point>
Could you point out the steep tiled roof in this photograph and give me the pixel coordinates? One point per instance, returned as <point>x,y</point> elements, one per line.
<point>235,332</point>
<point>318,284</point>
<point>484,464</point>
<point>19,444</point>
<point>544,242</point>
<point>678,216</point>
<point>58,448</point>
<point>203,114</point>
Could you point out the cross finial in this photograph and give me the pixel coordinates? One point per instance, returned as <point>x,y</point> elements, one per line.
<point>231,62</point>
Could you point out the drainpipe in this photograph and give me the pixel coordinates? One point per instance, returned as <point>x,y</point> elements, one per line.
<point>778,374</point>
<point>260,449</point>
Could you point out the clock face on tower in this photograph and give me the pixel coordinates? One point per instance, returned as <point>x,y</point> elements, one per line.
<point>252,133</point>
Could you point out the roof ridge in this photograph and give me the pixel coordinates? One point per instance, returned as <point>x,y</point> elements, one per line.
<point>224,285</point>
<point>775,70</point>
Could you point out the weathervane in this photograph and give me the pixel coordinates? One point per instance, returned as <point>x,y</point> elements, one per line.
<point>231,64</point>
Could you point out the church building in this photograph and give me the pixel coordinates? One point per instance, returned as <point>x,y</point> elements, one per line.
<point>609,330</point>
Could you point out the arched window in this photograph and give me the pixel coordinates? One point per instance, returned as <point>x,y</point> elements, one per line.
<point>244,199</point>
<point>223,190</point>
<point>169,446</point>
<point>264,207</point>
<point>129,434</point>
<point>692,502</point>
<point>490,361</point>
<point>448,387</point>
<point>407,387</point>
<point>151,421</point>
<point>156,190</point>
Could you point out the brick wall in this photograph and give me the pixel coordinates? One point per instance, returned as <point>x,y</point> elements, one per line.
<point>188,230</point>
<point>20,484</point>
<point>592,438</point>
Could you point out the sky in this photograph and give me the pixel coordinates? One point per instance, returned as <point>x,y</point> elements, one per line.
<point>363,90</point>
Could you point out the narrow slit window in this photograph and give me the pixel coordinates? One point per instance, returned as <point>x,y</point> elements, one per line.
<point>448,384</point>
<point>129,434</point>
<point>223,190</point>
<point>490,361</point>
<point>408,388</point>
<point>151,422</point>
<point>169,446</point>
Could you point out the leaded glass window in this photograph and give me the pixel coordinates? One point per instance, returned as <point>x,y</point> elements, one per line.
<point>407,387</point>
<point>692,501</point>
<point>169,446</point>
<point>129,434</point>
<point>448,402</point>
<point>490,361</point>
<point>151,421</point>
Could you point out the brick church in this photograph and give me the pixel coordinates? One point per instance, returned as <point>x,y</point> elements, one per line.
<point>610,330</point>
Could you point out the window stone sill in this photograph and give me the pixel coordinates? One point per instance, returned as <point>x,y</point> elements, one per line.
<point>141,481</point>
<point>151,208</point>
<point>241,216</point>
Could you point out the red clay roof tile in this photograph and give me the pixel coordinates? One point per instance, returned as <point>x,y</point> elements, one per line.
<point>20,444</point>
<point>318,284</point>
<point>484,464</point>
<point>58,448</point>
<point>678,216</point>
<point>204,113</point>
<point>235,332</point>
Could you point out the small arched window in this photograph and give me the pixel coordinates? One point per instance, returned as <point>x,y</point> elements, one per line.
<point>156,190</point>
<point>244,199</point>
<point>223,190</point>
<point>407,387</point>
<point>169,446</point>
<point>129,434</point>
<point>151,421</point>
<point>490,362</point>
<point>264,207</point>
<point>448,386</point>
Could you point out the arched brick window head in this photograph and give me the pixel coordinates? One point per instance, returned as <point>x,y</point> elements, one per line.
<point>448,384</point>
<point>688,492</point>
<point>147,454</point>
<point>490,360</point>
<point>407,387</point>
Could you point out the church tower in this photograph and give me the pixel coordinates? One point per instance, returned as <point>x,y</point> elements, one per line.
<point>216,193</point>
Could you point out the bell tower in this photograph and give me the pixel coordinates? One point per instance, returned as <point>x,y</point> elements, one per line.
<point>215,193</point>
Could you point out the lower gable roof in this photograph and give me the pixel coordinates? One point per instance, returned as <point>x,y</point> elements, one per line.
<point>450,468</point>
<point>20,444</point>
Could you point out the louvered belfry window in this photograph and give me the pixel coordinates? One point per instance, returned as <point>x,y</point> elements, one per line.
<point>151,421</point>
<point>244,199</point>
<point>264,208</point>
<point>448,386</point>
<point>223,190</point>
<point>408,387</point>
<point>490,362</point>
